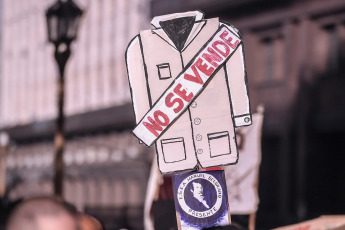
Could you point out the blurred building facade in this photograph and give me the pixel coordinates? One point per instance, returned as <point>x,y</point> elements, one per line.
<point>96,74</point>
<point>106,168</point>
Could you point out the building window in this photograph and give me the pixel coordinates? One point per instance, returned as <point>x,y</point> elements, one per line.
<point>269,59</point>
<point>334,54</point>
<point>273,56</point>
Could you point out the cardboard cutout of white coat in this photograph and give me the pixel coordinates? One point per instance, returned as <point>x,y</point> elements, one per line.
<point>189,90</point>
<point>242,178</point>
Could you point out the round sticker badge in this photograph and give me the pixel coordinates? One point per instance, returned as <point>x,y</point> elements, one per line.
<point>200,195</point>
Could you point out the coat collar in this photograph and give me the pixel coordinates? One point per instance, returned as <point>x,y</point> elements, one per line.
<point>198,25</point>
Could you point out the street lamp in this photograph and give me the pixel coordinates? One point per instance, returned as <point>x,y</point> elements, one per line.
<point>63,19</point>
<point>4,141</point>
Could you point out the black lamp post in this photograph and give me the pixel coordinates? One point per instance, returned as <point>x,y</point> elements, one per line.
<point>4,141</point>
<point>63,19</point>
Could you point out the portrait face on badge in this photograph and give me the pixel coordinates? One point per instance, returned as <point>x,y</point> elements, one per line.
<point>201,199</point>
<point>200,195</point>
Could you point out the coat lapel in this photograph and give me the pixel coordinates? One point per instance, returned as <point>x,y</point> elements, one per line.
<point>197,26</point>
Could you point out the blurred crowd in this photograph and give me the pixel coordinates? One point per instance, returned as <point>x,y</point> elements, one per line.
<point>48,213</point>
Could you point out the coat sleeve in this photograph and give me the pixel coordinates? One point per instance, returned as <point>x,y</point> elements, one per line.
<point>237,84</point>
<point>137,78</point>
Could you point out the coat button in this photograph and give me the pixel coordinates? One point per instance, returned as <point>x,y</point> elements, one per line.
<point>198,137</point>
<point>199,151</point>
<point>247,119</point>
<point>194,104</point>
<point>197,121</point>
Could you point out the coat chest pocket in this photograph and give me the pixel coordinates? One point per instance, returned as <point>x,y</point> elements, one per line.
<point>173,150</point>
<point>164,71</point>
<point>219,143</point>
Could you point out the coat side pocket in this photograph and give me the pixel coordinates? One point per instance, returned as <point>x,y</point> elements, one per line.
<point>173,150</point>
<point>219,143</point>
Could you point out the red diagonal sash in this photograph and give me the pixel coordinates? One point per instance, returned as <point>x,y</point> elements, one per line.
<point>187,85</point>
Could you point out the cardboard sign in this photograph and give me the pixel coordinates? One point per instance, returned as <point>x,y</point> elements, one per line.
<point>189,90</point>
<point>201,199</point>
<point>242,178</point>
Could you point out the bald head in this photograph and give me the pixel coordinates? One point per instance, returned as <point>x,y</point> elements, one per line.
<point>42,214</point>
<point>87,222</point>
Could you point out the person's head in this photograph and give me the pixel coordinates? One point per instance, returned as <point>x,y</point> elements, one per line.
<point>42,214</point>
<point>197,189</point>
<point>87,222</point>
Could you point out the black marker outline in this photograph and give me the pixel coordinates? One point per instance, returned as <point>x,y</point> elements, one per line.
<point>173,140</point>
<point>221,135</point>
<point>163,66</point>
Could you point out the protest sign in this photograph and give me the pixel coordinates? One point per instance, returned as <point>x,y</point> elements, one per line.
<point>189,90</point>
